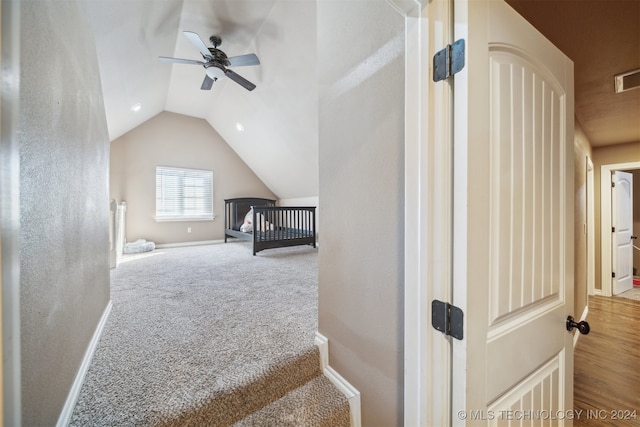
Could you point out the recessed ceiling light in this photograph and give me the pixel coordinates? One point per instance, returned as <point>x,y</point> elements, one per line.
<point>239,127</point>
<point>136,107</point>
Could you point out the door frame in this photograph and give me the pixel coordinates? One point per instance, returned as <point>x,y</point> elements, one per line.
<point>591,244</point>
<point>429,216</point>
<point>606,285</point>
<point>428,213</point>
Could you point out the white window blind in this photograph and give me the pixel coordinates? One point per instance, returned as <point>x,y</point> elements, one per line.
<point>183,194</point>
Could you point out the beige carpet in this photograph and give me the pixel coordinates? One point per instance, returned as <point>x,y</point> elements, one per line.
<point>207,336</point>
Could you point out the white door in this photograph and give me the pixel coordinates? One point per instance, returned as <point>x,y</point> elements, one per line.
<point>622,215</point>
<point>513,221</point>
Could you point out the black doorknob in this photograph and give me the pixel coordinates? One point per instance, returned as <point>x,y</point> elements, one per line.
<point>583,326</point>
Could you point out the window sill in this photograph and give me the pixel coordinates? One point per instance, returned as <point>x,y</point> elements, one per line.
<point>185,219</point>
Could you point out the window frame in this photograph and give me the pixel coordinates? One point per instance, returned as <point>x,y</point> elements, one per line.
<point>179,211</point>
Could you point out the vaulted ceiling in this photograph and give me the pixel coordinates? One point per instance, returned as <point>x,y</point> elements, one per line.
<point>272,125</point>
<point>277,121</point>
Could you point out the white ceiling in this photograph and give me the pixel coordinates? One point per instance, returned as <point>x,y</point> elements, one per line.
<point>280,116</point>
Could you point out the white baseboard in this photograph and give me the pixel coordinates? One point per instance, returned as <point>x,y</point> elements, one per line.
<point>323,345</point>
<point>72,397</point>
<point>349,391</point>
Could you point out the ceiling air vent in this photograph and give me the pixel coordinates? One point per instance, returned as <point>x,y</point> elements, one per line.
<point>627,81</point>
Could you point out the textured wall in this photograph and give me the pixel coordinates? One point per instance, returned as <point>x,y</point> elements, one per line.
<point>170,139</point>
<point>579,228</point>
<point>582,150</point>
<point>361,152</point>
<point>64,245</point>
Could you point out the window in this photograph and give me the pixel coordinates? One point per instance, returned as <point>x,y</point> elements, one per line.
<point>183,194</point>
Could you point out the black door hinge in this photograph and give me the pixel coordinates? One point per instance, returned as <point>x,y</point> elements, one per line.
<point>447,318</point>
<point>613,275</point>
<point>613,185</point>
<point>613,229</point>
<point>448,61</point>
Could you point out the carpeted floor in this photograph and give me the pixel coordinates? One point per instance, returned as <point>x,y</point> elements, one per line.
<point>202,336</point>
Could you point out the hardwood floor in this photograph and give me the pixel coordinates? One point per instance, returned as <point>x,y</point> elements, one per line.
<point>607,365</point>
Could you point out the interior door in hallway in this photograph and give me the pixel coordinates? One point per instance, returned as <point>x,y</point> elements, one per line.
<point>513,220</point>
<point>622,214</point>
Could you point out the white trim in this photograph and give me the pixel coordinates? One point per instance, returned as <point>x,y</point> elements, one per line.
<point>427,194</point>
<point>72,397</point>
<point>323,345</point>
<point>349,391</point>
<point>597,292</point>
<point>606,268</point>
<point>414,304</point>
<point>591,238</point>
<point>184,218</point>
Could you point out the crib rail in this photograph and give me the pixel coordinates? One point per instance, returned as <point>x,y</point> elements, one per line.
<point>273,226</point>
<point>279,226</point>
<point>285,221</point>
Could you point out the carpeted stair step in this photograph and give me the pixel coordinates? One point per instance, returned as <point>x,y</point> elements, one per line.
<point>250,394</point>
<point>317,403</point>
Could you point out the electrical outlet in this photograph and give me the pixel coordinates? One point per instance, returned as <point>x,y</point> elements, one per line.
<point>188,229</point>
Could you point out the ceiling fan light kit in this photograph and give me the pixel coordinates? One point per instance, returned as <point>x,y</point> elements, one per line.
<point>216,62</point>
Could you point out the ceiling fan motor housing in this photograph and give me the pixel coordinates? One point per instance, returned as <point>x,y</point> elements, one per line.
<point>218,56</point>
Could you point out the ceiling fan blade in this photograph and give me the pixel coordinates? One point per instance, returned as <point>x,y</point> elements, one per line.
<point>240,80</point>
<point>207,83</point>
<point>180,61</point>
<point>198,43</point>
<point>243,60</point>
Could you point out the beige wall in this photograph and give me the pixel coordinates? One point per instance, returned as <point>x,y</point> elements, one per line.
<point>582,151</point>
<point>64,203</point>
<point>361,152</point>
<point>170,139</point>
<point>622,153</point>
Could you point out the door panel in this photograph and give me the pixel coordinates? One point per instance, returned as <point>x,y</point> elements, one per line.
<point>513,230</point>
<point>525,201</point>
<point>538,390</point>
<point>526,213</point>
<point>622,204</point>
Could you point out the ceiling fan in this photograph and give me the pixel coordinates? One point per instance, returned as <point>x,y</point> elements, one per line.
<point>216,62</point>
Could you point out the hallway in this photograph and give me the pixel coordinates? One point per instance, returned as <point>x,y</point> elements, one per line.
<point>607,365</point>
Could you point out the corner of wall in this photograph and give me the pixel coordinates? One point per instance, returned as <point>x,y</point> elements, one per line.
<point>349,391</point>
